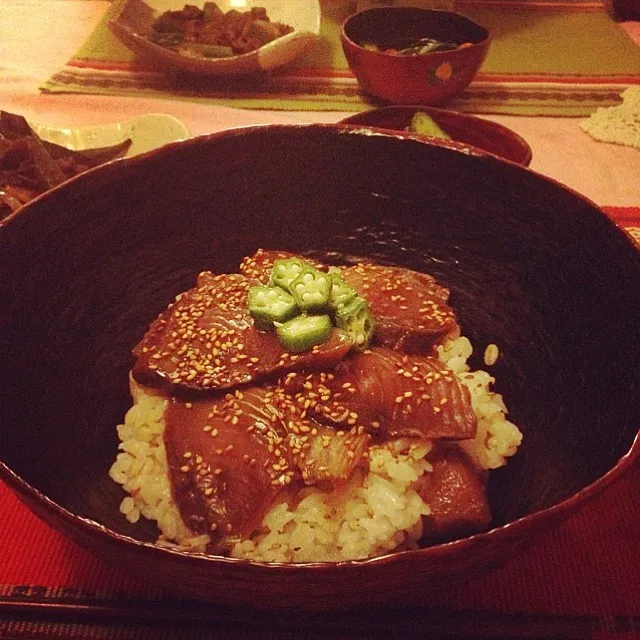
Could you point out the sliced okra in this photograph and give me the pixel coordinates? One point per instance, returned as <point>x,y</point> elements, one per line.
<point>341,292</point>
<point>356,319</point>
<point>285,271</point>
<point>311,290</point>
<point>271,304</point>
<point>304,332</point>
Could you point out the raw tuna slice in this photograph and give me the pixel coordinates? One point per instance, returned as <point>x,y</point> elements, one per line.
<point>390,394</point>
<point>206,341</point>
<point>410,308</point>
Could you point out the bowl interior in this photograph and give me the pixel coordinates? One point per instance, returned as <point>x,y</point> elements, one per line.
<point>478,132</point>
<point>397,27</point>
<point>547,277</point>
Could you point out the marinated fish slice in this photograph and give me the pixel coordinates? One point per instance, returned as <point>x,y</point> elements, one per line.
<point>391,395</point>
<point>456,494</point>
<point>320,453</point>
<point>332,456</point>
<point>227,463</point>
<point>207,341</point>
<point>410,308</point>
<point>229,458</point>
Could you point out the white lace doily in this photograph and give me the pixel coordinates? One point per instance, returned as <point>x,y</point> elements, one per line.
<point>619,124</point>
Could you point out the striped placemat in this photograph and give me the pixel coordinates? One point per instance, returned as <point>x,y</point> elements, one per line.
<point>546,58</point>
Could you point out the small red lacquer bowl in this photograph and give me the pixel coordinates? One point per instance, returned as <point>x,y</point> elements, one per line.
<point>432,78</point>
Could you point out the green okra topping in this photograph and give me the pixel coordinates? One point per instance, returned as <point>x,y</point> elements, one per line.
<point>304,304</point>
<point>356,319</point>
<point>311,290</point>
<point>271,304</point>
<point>304,332</point>
<point>285,271</point>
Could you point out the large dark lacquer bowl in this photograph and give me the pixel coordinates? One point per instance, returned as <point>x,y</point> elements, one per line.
<point>531,265</point>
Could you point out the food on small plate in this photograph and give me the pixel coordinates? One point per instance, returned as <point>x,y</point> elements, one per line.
<point>459,127</point>
<point>357,431</point>
<point>30,166</point>
<point>212,33</point>
<point>425,125</point>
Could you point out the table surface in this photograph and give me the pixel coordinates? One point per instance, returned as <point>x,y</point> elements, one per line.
<point>608,174</point>
<point>38,36</point>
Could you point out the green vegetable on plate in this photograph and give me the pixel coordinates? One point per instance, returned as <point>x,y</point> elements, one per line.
<point>311,290</point>
<point>356,319</point>
<point>341,292</point>
<point>425,125</point>
<point>271,304</point>
<point>284,272</point>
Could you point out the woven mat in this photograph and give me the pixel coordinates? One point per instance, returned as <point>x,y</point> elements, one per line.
<point>580,581</point>
<point>563,59</point>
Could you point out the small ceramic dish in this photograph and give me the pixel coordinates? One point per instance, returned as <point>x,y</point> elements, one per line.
<point>134,21</point>
<point>483,134</point>
<point>371,38</point>
<point>146,132</point>
<point>50,155</point>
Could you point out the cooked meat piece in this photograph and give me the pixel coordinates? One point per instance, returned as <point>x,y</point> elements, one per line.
<point>230,457</point>
<point>456,493</point>
<point>206,341</point>
<point>389,394</point>
<point>29,165</point>
<point>410,308</point>
<point>12,198</point>
<point>25,162</point>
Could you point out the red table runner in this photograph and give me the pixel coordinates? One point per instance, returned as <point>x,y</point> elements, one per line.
<point>580,581</point>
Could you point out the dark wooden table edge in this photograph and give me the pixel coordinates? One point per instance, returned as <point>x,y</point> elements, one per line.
<point>38,616</point>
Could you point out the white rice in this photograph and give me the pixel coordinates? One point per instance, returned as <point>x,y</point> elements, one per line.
<point>378,511</point>
<point>497,438</point>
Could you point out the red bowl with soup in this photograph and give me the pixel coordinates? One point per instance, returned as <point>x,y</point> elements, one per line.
<point>407,55</point>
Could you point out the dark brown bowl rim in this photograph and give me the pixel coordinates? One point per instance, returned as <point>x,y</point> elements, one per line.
<point>524,159</point>
<point>555,512</point>
<point>428,56</point>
